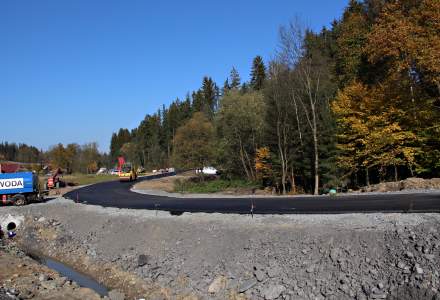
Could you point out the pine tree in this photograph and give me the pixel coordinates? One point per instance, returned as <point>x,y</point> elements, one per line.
<point>258,73</point>
<point>123,136</point>
<point>351,39</point>
<point>209,91</point>
<point>197,101</point>
<point>226,86</point>
<point>244,88</point>
<point>235,79</point>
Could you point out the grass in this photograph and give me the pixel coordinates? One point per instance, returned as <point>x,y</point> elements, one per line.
<point>212,186</point>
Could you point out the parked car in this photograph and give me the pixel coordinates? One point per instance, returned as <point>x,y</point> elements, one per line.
<point>102,171</point>
<point>114,172</point>
<point>207,171</point>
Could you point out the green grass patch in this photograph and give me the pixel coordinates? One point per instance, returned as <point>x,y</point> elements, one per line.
<point>212,186</point>
<point>83,179</point>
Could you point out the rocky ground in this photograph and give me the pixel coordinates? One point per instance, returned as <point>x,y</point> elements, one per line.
<point>23,278</point>
<point>144,254</point>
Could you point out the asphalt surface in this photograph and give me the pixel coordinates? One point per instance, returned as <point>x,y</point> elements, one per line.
<point>118,194</point>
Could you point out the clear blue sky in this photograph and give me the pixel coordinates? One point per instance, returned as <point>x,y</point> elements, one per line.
<point>76,71</point>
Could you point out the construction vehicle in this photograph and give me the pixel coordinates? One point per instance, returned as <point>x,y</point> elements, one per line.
<point>20,188</point>
<point>127,172</point>
<point>54,180</point>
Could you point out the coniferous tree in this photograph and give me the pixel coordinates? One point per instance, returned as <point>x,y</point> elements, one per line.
<point>235,79</point>
<point>118,139</point>
<point>226,86</point>
<point>197,101</point>
<point>209,92</point>
<point>258,73</point>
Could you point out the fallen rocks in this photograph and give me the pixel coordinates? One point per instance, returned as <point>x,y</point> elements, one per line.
<point>260,275</point>
<point>273,291</point>
<point>143,260</point>
<point>310,269</point>
<point>274,271</point>
<point>418,269</point>
<point>248,284</point>
<point>217,285</point>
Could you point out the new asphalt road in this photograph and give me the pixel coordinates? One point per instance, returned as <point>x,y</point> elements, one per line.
<point>118,194</point>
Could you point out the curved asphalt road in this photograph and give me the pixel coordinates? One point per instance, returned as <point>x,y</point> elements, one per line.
<point>118,194</point>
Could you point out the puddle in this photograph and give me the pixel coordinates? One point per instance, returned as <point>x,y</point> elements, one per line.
<point>81,279</point>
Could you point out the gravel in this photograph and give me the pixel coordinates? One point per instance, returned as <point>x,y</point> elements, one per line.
<point>215,256</point>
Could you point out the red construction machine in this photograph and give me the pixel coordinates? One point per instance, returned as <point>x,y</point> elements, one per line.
<point>54,180</point>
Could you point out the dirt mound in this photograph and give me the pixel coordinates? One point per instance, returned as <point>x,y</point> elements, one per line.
<point>412,183</point>
<point>162,184</point>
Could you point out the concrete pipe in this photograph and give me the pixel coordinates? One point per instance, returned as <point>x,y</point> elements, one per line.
<point>11,222</point>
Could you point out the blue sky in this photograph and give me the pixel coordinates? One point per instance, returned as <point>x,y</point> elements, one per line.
<point>76,71</point>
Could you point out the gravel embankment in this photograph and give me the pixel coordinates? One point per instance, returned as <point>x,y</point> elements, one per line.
<point>214,256</point>
<point>23,278</point>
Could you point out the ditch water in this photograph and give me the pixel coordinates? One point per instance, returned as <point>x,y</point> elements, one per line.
<point>81,279</point>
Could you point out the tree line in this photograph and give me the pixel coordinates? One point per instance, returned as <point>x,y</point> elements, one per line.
<point>351,105</point>
<point>20,152</point>
<point>72,158</point>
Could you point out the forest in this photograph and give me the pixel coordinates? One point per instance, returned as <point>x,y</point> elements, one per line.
<point>351,105</point>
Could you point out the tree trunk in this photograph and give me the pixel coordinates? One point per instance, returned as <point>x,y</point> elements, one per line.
<point>356,182</point>
<point>243,162</point>
<point>283,162</point>
<point>250,166</point>
<point>297,118</point>
<point>381,174</point>
<point>292,179</point>
<point>315,145</point>
<point>144,157</point>
<point>395,173</point>
<point>367,176</point>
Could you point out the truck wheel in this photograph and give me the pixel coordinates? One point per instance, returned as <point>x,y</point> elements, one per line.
<point>19,200</point>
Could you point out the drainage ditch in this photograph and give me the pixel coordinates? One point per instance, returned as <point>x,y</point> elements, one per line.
<point>78,277</point>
